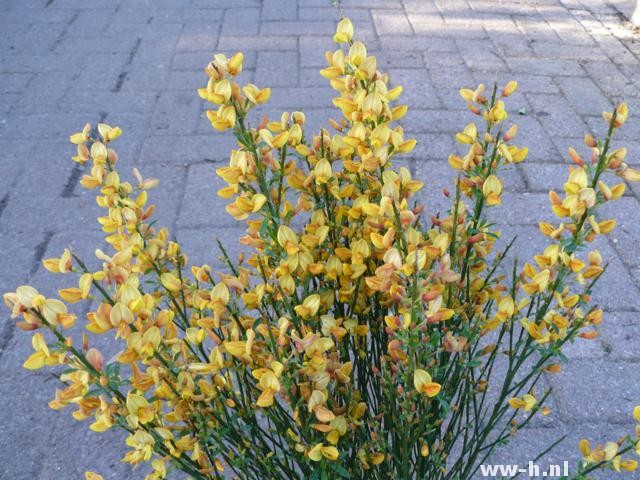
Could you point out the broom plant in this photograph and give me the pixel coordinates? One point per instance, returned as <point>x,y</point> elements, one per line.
<point>358,337</point>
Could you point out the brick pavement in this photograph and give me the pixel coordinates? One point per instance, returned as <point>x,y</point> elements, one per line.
<point>137,63</point>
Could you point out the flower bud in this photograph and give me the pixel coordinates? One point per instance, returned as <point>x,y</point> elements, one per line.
<point>344,31</point>
<point>95,358</point>
<point>509,88</point>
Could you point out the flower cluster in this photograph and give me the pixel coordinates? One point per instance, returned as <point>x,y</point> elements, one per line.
<point>358,338</point>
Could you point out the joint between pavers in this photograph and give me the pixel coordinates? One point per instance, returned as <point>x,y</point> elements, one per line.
<point>183,193</point>
<point>64,31</point>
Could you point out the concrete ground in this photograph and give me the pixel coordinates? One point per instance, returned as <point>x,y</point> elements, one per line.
<point>137,64</point>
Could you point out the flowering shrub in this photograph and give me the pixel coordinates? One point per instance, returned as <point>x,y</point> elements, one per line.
<point>359,338</point>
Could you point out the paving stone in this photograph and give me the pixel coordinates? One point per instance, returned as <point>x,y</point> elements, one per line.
<point>188,15</point>
<point>391,22</point>
<point>523,208</point>
<point>464,27</point>
<point>423,44</point>
<point>309,77</point>
<point>241,21</point>
<point>185,149</point>
<point>167,197</point>
<point>537,84</point>
<point>299,27</point>
<point>25,427</point>
<point>286,98</point>
<point>37,39</point>
<point>87,46</point>
<point>446,89</point>
<point>97,72</point>
<point>15,154</point>
<point>198,37</point>
<point>542,177</point>
<point>108,101</point>
<point>556,115</point>
<point>569,52</point>
<point>600,379</point>
<point>277,69</point>
<point>436,121</point>
<point>389,4</point>
<point>132,16</point>
<point>14,82</point>
<point>326,12</point>
<point>225,3</point>
<point>418,89</point>
<point>264,42</point>
<point>277,10</point>
<point>583,95</point>
<point>36,14</point>
<point>536,29</point>
<point>510,43</point>
<point>619,335</point>
<point>388,59</point>
<point>544,66</point>
<point>201,205</point>
<point>54,125</point>
<point>185,80</point>
<point>312,51</point>
<point>624,237</point>
<point>70,435</point>
<point>584,349</point>
<point>432,146</point>
<point>616,289</point>
<point>89,22</point>
<point>193,62</point>
<point>176,113</point>
<point>426,24</point>
<point>531,134</point>
<point>20,258</point>
<point>563,144</point>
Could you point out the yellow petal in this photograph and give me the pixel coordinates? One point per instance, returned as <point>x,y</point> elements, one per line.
<point>35,361</point>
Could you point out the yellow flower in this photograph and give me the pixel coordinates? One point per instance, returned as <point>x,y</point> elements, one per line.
<point>468,135</point>
<point>626,465</point>
<point>539,282</point>
<point>256,95</point>
<point>234,66</point>
<point>322,171</point>
<point>81,137</point>
<point>71,295</point>
<point>491,189</point>
<point>38,359</point>
<point>243,206</point>
<point>357,53</point>
<point>424,450</point>
<point>142,443</point>
<point>120,313</point>
<point>527,402</point>
<point>108,133</point>
<point>423,383</point>
<point>274,142</point>
<point>320,450</point>
<point>309,306</point>
<point>344,31</point>
<point>223,118</point>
